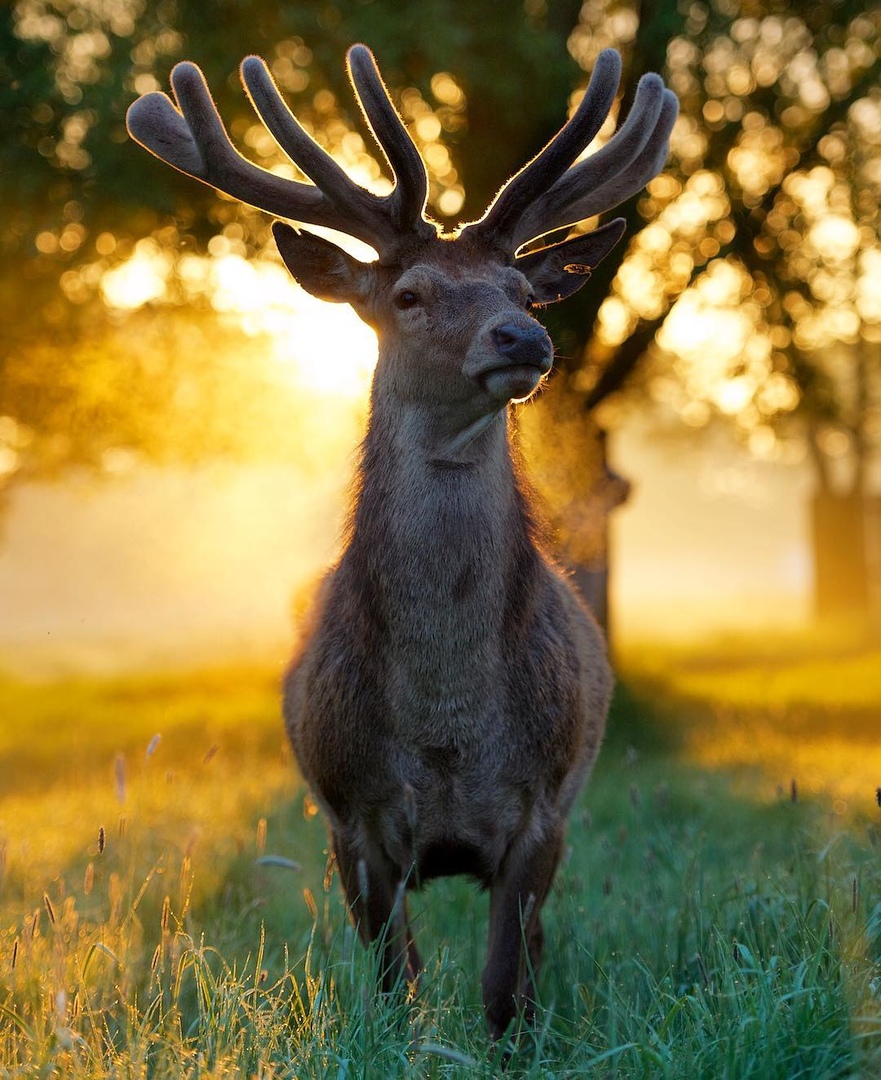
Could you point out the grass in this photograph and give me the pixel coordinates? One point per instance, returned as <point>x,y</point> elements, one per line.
<point>166,908</point>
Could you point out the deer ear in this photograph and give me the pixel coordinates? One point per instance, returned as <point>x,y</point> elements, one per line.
<point>323,269</point>
<point>560,270</point>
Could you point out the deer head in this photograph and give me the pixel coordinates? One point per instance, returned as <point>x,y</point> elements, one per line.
<point>452,310</point>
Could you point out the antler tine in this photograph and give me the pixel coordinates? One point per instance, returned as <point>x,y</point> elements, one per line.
<point>515,198</point>
<point>349,199</point>
<point>632,157</point>
<point>192,138</point>
<point>408,200</point>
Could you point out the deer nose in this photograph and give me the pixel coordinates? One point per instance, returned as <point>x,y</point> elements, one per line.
<point>524,345</point>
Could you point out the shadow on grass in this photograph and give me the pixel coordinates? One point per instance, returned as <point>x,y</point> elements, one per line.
<point>642,718</point>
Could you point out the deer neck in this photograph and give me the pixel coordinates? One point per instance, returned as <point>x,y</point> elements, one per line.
<point>438,542</point>
<point>440,550</point>
<point>439,517</point>
<point>452,463</point>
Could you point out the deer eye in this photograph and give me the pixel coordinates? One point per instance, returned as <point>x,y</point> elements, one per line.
<point>406,299</point>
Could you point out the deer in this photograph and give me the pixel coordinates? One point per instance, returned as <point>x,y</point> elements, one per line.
<point>449,695</point>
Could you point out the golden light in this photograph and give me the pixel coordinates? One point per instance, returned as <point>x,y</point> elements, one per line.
<point>733,395</point>
<point>778,393</point>
<point>451,201</point>
<point>446,90</point>
<point>325,347</point>
<point>139,279</point>
<point>835,237</point>
<point>313,344</point>
<point>615,321</point>
<point>318,345</point>
<point>8,461</point>
<point>868,287</point>
<point>708,336</point>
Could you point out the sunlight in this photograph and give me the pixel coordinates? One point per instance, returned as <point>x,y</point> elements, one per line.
<point>138,280</point>
<point>314,344</point>
<point>868,286</point>
<point>325,346</point>
<point>321,346</point>
<point>835,237</point>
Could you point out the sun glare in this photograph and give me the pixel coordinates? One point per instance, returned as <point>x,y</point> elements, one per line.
<point>314,344</point>
<point>138,280</point>
<point>326,346</point>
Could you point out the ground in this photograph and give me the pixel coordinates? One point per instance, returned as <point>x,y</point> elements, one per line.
<point>166,906</point>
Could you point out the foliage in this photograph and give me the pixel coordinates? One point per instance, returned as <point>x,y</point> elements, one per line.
<point>692,931</point>
<point>756,276</point>
<point>750,282</point>
<point>97,235</point>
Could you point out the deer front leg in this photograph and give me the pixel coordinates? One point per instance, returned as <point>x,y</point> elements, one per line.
<point>374,891</point>
<point>516,899</point>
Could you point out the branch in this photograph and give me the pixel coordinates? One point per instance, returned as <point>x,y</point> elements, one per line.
<point>622,365</point>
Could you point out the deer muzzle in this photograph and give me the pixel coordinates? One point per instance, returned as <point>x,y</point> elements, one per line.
<point>511,360</point>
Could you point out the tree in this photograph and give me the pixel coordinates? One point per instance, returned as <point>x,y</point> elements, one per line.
<point>756,280</point>
<point>96,234</point>
<point>762,233</point>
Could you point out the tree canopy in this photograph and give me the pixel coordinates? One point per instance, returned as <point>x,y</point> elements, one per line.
<point>750,284</point>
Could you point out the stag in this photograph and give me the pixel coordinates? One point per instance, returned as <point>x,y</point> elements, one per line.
<point>449,698</point>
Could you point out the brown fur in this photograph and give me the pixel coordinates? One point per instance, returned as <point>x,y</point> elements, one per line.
<point>449,701</point>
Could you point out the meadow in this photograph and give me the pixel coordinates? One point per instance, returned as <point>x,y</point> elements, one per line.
<point>167,906</point>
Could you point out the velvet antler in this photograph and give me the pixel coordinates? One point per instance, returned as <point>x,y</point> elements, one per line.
<point>550,192</point>
<point>190,136</point>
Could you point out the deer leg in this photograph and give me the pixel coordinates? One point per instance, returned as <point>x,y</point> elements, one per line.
<point>514,920</point>
<point>535,948</point>
<point>374,892</point>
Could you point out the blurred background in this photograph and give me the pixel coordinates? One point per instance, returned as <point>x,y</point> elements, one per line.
<point>179,425</point>
<point>179,421</point>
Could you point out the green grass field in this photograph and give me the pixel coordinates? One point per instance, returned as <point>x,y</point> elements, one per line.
<point>166,907</point>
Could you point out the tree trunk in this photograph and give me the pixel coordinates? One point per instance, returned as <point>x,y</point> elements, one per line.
<point>841,577</point>
<point>591,559</point>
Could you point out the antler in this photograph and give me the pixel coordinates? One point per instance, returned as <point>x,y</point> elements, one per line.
<point>548,194</point>
<point>191,137</point>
